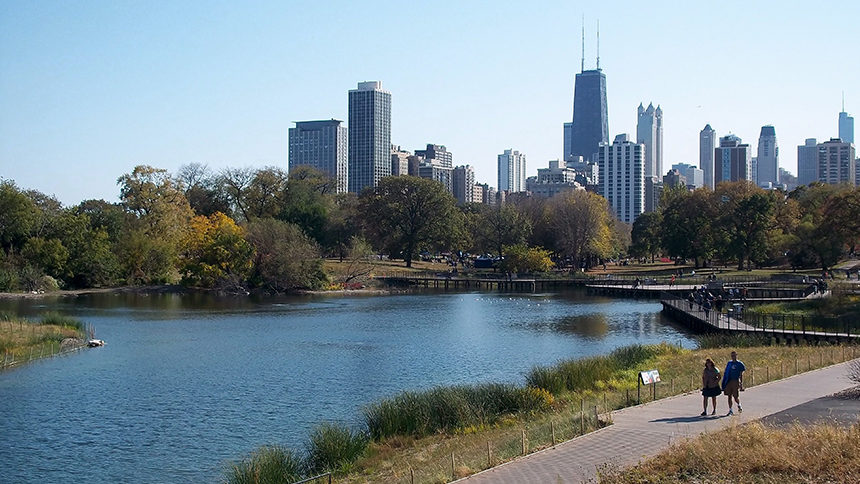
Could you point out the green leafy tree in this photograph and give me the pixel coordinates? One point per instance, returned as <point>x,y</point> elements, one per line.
<point>308,202</point>
<point>746,215</point>
<point>646,235</point>
<point>203,189</point>
<point>407,214</point>
<point>687,224</point>
<point>18,215</point>
<point>285,258</point>
<point>498,227</point>
<point>49,256</point>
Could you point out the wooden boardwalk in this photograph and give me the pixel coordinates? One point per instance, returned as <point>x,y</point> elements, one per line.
<point>645,430</point>
<point>697,318</point>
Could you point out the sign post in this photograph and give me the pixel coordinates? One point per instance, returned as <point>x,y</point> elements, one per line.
<point>647,377</point>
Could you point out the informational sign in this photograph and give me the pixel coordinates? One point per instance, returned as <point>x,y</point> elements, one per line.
<point>649,376</point>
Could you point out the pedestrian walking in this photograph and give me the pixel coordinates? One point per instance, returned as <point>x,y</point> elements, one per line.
<point>710,386</point>
<point>733,381</point>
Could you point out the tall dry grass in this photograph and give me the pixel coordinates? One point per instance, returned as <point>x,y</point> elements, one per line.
<point>755,453</point>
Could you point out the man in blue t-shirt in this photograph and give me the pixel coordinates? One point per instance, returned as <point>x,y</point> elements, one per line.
<point>733,381</point>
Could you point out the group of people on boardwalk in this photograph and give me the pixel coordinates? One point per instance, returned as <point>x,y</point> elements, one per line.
<point>731,384</point>
<point>707,300</point>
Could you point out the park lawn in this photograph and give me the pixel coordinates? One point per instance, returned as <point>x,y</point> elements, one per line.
<point>430,458</point>
<point>760,454</point>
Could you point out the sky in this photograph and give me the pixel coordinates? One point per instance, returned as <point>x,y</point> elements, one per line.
<point>89,90</point>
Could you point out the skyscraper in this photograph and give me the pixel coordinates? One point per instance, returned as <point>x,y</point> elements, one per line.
<point>807,162</point>
<point>732,160</point>
<point>767,157</point>
<point>836,163</point>
<point>622,177</point>
<point>707,144</point>
<point>649,131</point>
<point>590,125</point>
<point>846,125</point>
<point>464,184</point>
<point>321,145</point>
<point>512,171</point>
<point>568,133</point>
<point>369,135</point>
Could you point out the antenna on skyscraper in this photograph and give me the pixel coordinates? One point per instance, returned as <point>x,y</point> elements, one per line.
<point>843,101</point>
<point>582,69</point>
<point>598,44</point>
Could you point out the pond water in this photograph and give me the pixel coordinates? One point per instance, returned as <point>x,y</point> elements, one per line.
<point>188,383</point>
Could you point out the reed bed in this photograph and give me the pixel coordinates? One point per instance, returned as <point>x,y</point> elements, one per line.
<point>446,409</point>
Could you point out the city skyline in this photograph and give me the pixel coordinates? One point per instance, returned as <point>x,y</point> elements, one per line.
<point>97,89</point>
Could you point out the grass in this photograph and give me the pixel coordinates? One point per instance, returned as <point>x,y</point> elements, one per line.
<point>451,432</point>
<point>451,408</point>
<point>755,453</point>
<point>22,340</point>
<point>267,465</point>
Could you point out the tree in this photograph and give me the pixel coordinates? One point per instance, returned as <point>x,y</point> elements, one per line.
<point>49,256</point>
<point>522,258</point>
<point>359,261</point>
<point>18,215</point>
<point>151,248</point>
<point>203,190</point>
<point>500,226</point>
<point>687,231</point>
<point>235,183</point>
<point>646,235</point>
<point>581,223</point>
<point>265,193</point>
<point>746,217</point>
<point>307,202</point>
<point>285,258</point>
<point>216,253</point>
<point>406,214</point>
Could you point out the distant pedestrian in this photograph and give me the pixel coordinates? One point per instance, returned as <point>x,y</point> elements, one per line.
<point>672,281</point>
<point>733,381</point>
<point>710,386</point>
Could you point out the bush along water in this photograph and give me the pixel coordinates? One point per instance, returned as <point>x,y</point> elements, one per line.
<point>583,374</point>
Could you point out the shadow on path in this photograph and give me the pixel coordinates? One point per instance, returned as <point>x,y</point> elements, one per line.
<point>697,418</point>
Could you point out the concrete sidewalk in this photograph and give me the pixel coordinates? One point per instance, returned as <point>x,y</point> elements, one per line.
<point>645,430</point>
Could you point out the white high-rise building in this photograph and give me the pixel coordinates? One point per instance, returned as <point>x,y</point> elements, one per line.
<point>369,135</point>
<point>622,177</point>
<point>463,184</point>
<point>767,158</point>
<point>707,143</point>
<point>807,162</point>
<point>512,171</point>
<point>836,163</point>
<point>649,131</point>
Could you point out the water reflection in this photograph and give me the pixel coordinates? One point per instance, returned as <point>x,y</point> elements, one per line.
<point>592,326</point>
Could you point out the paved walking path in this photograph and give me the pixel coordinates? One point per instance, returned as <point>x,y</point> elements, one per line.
<point>646,430</point>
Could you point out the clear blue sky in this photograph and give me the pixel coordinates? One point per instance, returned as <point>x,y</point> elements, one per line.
<point>90,89</point>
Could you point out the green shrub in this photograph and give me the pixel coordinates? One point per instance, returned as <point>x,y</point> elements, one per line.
<point>63,320</point>
<point>267,465</point>
<point>445,409</point>
<point>732,340</point>
<point>333,448</point>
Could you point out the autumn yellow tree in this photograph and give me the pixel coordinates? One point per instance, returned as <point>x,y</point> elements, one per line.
<point>216,253</point>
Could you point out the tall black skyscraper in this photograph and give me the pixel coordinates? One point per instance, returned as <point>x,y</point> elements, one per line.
<point>590,119</point>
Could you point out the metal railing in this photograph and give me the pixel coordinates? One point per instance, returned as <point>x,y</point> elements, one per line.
<point>732,317</point>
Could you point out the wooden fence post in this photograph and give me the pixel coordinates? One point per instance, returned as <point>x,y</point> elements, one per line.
<point>581,417</point>
<point>489,456</point>
<point>552,428</point>
<point>524,442</point>
<point>453,471</point>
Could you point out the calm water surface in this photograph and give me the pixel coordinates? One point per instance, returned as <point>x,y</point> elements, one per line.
<point>188,383</point>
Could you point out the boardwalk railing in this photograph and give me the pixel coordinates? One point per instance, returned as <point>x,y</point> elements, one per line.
<point>732,318</point>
